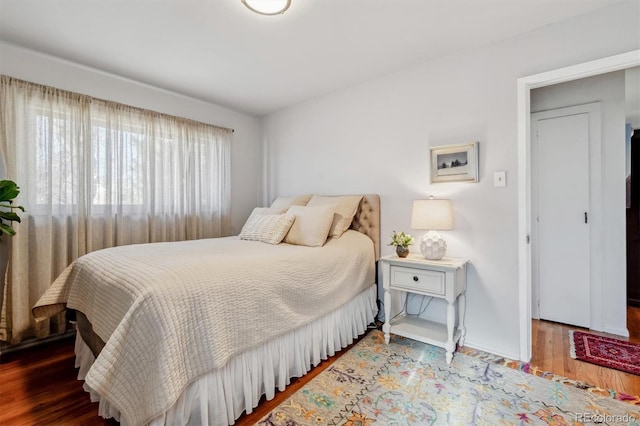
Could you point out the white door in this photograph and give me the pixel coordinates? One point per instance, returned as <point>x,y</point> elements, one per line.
<point>560,151</point>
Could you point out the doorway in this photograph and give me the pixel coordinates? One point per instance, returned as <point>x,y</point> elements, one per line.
<point>525,85</point>
<point>591,292</point>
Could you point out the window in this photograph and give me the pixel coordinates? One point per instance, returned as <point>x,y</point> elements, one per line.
<point>96,174</point>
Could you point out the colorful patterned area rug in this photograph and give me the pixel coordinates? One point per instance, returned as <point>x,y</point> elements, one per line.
<point>605,351</point>
<point>409,383</point>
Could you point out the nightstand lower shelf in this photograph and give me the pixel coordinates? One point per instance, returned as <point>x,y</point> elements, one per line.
<point>444,279</point>
<point>423,330</point>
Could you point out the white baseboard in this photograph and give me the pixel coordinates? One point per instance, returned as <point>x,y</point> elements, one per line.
<point>471,344</point>
<point>624,332</point>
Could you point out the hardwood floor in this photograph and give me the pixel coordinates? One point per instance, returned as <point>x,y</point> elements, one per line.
<point>551,353</point>
<point>38,386</point>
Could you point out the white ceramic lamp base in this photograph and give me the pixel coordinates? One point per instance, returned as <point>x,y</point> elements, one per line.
<point>433,246</point>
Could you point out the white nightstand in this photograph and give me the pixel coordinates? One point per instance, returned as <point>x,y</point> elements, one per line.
<point>444,279</point>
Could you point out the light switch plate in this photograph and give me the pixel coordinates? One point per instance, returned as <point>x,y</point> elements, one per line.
<point>499,179</point>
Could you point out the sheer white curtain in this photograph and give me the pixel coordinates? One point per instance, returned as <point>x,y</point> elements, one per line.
<point>96,174</point>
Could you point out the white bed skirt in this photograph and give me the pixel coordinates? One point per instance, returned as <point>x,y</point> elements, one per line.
<point>220,397</point>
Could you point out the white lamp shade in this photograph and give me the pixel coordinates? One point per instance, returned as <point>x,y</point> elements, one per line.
<point>432,214</point>
<point>267,7</point>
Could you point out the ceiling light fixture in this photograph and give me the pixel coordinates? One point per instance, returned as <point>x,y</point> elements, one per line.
<point>267,7</point>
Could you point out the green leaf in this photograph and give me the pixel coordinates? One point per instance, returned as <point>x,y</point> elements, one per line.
<point>11,207</point>
<point>6,229</point>
<point>8,190</point>
<point>10,216</point>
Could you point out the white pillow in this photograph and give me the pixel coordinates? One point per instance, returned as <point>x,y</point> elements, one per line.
<point>345,208</point>
<point>264,210</point>
<point>286,202</point>
<point>267,228</point>
<point>268,210</point>
<point>311,226</point>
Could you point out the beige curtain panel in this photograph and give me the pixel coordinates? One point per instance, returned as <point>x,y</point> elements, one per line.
<point>96,174</point>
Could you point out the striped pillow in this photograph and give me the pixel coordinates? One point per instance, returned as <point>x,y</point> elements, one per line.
<point>267,228</point>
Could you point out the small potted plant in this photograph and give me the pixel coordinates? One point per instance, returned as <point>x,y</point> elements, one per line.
<point>401,242</point>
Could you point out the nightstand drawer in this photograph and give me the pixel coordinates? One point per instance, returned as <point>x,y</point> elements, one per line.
<point>417,279</point>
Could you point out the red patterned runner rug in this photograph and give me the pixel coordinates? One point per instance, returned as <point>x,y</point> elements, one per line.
<point>606,352</point>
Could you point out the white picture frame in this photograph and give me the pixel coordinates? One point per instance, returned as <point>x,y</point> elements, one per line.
<point>454,163</point>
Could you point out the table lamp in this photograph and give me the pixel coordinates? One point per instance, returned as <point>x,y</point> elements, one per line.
<point>433,215</point>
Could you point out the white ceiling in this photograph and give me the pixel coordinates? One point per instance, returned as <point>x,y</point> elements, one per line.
<point>219,51</point>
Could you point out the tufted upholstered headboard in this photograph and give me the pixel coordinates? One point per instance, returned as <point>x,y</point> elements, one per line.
<point>367,219</point>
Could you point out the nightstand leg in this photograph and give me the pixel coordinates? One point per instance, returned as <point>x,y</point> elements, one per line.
<point>451,318</point>
<point>461,311</point>
<point>387,316</point>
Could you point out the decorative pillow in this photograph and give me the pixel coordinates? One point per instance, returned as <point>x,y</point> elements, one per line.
<point>258,211</point>
<point>345,208</point>
<point>268,210</point>
<point>311,226</point>
<point>286,202</point>
<point>267,228</point>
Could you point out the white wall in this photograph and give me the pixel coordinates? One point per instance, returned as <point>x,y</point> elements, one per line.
<point>246,150</point>
<point>376,137</point>
<point>609,288</point>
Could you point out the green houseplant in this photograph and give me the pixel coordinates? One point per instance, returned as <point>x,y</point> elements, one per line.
<point>401,241</point>
<point>9,190</point>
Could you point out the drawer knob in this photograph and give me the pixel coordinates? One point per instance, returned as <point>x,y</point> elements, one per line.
<point>415,278</point>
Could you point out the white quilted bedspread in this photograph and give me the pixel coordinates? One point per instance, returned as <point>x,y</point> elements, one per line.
<point>171,312</point>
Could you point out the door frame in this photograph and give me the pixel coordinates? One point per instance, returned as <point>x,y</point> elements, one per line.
<point>524,87</point>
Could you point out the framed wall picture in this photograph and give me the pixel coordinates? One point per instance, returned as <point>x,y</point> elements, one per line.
<point>454,163</point>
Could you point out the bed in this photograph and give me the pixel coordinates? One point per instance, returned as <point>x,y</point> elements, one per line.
<point>196,332</point>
